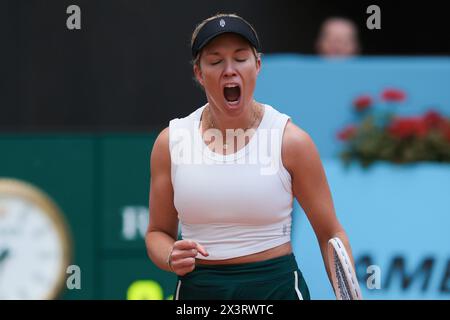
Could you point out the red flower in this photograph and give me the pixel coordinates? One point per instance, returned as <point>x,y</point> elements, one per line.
<point>362,102</point>
<point>433,119</point>
<point>408,127</point>
<point>445,129</point>
<point>347,133</point>
<point>394,95</point>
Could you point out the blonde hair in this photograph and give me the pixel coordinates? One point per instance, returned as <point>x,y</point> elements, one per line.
<point>196,60</point>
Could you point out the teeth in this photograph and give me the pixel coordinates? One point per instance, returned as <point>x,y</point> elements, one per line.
<point>231,85</point>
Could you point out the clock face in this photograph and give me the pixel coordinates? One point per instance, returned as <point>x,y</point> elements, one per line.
<point>33,244</point>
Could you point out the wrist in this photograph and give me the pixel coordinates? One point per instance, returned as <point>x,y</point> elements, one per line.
<point>169,260</point>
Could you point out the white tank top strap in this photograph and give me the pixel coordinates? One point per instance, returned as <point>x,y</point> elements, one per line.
<point>181,138</point>
<point>280,123</point>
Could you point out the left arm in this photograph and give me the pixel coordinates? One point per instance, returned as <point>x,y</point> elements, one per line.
<point>310,187</point>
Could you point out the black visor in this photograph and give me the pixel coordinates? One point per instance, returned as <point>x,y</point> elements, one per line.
<point>221,25</point>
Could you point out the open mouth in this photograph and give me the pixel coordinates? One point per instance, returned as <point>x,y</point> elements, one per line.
<point>232,93</point>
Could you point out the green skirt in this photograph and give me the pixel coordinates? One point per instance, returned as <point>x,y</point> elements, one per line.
<point>273,279</point>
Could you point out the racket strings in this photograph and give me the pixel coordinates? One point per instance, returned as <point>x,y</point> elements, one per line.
<point>343,286</point>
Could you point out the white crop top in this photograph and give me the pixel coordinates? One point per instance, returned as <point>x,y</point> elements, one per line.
<point>236,204</point>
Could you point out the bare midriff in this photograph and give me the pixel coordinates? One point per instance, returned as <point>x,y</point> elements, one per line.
<point>271,253</point>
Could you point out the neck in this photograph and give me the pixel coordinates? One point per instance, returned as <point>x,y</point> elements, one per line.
<point>218,120</point>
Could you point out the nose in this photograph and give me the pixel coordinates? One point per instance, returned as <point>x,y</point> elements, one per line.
<point>230,70</point>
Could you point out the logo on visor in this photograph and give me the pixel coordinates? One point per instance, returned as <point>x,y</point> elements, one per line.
<point>222,23</point>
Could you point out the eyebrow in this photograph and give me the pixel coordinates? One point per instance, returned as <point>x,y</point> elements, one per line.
<point>216,53</point>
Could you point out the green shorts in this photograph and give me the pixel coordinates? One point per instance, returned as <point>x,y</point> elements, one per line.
<point>273,279</point>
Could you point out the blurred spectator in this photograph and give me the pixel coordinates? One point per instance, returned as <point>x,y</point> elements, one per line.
<point>338,37</point>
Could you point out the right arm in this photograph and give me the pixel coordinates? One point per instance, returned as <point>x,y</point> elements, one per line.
<point>162,229</point>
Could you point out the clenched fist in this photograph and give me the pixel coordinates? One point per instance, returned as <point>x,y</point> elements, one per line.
<point>182,256</point>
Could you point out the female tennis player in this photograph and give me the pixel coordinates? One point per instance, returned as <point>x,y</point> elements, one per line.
<point>227,173</point>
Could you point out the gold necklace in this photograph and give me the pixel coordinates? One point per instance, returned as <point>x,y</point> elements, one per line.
<point>255,119</point>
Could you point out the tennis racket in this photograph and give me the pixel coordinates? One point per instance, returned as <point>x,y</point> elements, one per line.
<point>345,284</point>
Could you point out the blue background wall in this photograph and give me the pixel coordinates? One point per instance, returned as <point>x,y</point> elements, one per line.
<point>397,216</point>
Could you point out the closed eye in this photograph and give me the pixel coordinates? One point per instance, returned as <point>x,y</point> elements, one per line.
<point>217,62</point>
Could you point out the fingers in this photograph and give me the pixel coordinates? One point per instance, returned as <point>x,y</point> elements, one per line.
<point>184,244</point>
<point>183,256</point>
<point>202,250</point>
<point>183,266</point>
<point>188,244</point>
<point>181,271</point>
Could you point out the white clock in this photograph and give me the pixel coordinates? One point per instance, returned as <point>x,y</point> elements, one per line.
<point>34,243</point>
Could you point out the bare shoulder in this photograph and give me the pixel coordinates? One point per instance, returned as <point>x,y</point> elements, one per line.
<point>160,153</point>
<point>295,136</point>
<point>298,148</point>
<point>163,139</point>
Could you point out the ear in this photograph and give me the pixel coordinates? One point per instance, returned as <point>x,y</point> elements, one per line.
<point>258,65</point>
<point>198,74</point>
